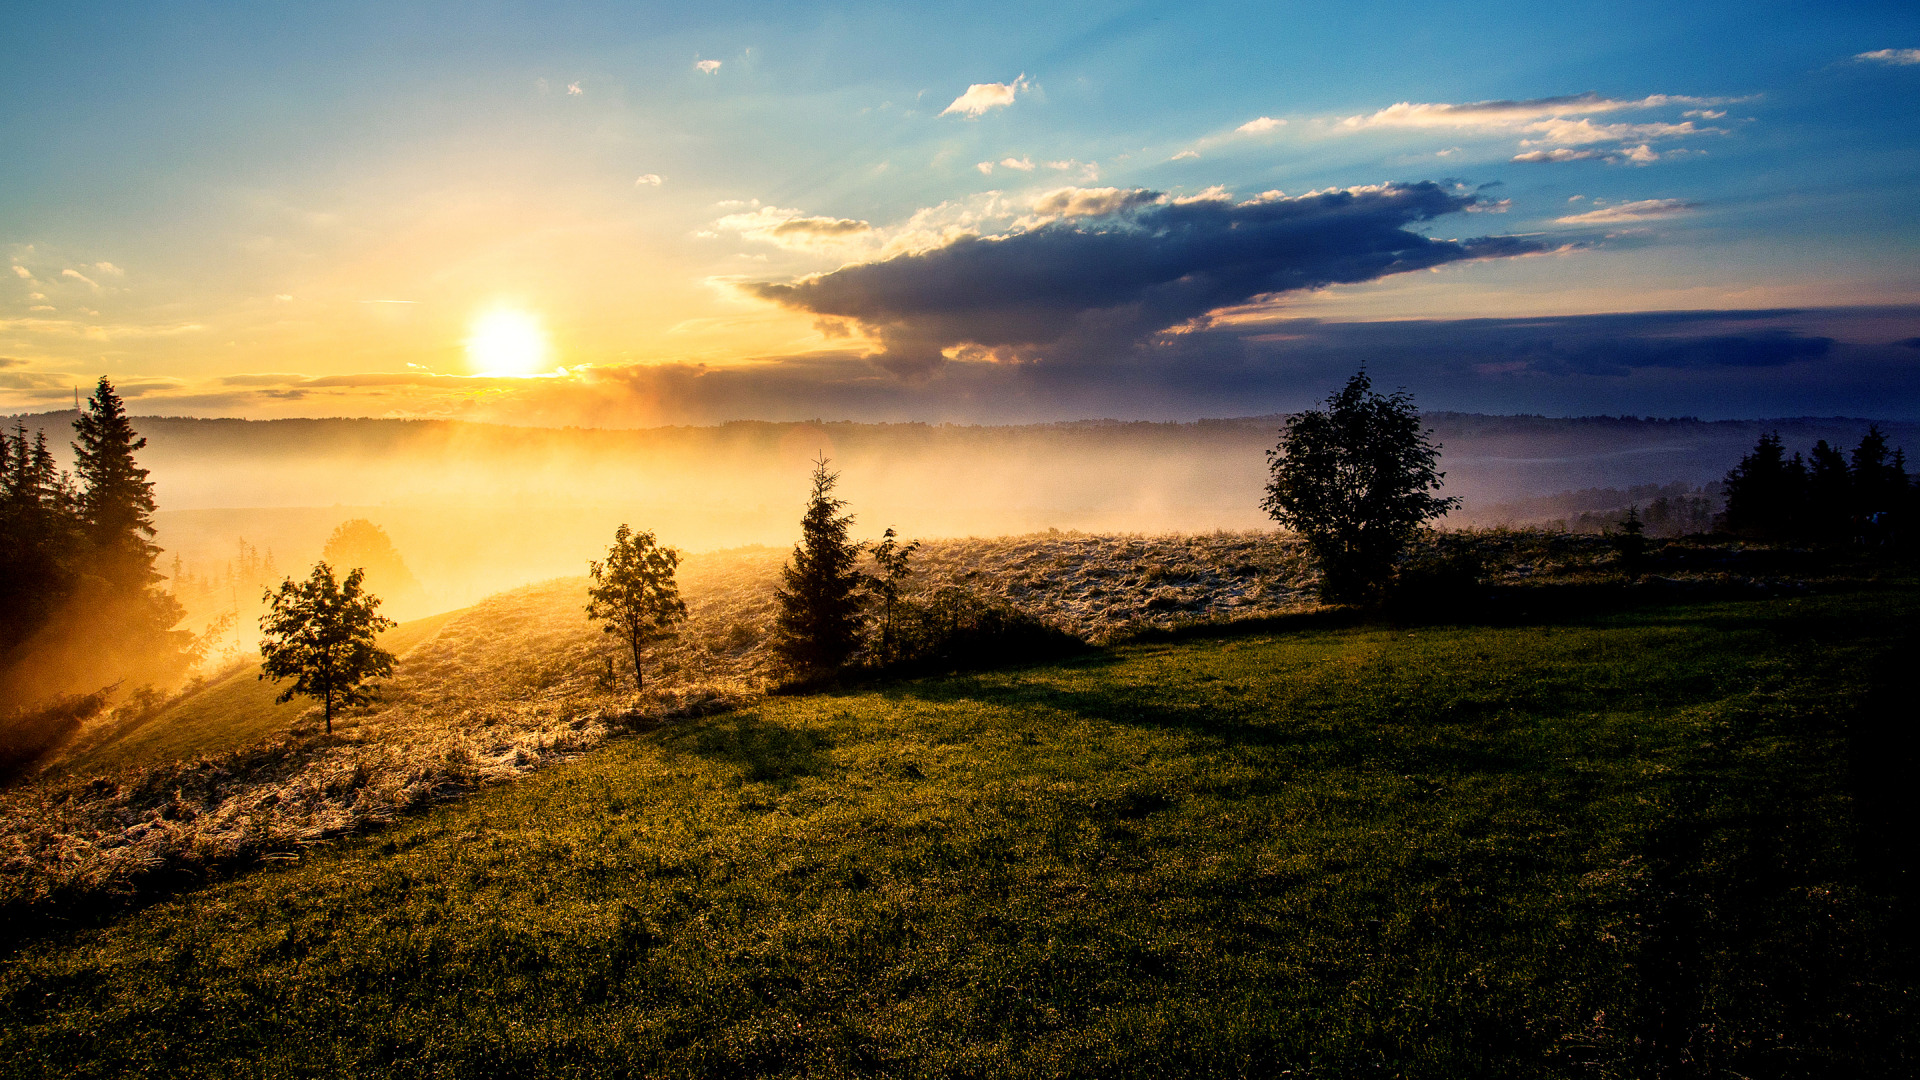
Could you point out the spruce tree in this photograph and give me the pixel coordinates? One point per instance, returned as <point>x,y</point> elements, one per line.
<point>820,598</point>
<point>1766,492</point>
<point>116,499</point>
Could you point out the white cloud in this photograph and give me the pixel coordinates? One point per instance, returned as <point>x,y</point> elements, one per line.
<point>283,298</point>
<point>1707,114</point>
<point>78,276</point>
<point>1185,155</point>
<point>1585,132</point>
<point>23,272</point>
<point>1509,115</point>
<point>573,88</point>
<point>1260,126</point>
<point>983,96</point>
<point>1638,155</point>
<point>1643,210</point>
<point>1022,164</point>
<point>648,180</point>
<point>985,167</point>
<point>109,268</point>
<point>708,66</point>
<point>1889,56</point>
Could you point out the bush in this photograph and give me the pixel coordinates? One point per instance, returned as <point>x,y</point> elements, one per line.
<point>955,627</point>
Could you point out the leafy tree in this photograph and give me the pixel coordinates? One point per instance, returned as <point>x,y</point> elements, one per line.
<point>892,558</point>
<point>634,593</point>
<point>320,633</point>
<point>1766,492</point>
<point>820,597</point>
<point>1356,480</point>
<point>116,498</point>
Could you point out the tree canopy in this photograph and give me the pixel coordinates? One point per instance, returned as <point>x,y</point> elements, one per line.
<point>634,593</point>
<point>1356,480</point>
<point>321,633</point>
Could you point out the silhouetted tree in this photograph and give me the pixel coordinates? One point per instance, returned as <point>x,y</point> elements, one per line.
<point>634,592</point>
<point>820,597</point>
<point>891,556</point>
<point>116,498</point>
<point>1766,492</point>
<point>1631,542</point>
<point>321,633</point>
<point>41,539</point>
<point>1356,481</point>
<point>362,543</point>
<point>1879,485</point>
<point>1829,501</point>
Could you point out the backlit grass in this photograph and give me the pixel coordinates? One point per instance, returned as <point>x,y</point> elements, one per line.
<point>1619,848</point>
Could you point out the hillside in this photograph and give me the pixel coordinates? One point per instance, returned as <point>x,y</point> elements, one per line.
<point>1632,844</point>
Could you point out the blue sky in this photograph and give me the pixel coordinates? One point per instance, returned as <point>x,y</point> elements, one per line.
<point>633,214</point>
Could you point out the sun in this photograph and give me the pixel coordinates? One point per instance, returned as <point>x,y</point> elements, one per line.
<point>506,342</point>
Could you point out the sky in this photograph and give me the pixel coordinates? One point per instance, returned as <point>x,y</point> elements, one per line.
<point>637,214</point>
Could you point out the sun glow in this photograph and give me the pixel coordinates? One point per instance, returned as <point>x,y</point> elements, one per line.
<point>506,342</point>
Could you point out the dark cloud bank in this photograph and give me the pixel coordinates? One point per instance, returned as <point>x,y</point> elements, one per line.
<point>1108,268</point>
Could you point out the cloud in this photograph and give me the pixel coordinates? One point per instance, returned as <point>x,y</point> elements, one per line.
<point>1515,114</point>
<point>985,167</point>
<point>1106,269</point>
<point>573,89</point>
<point>1022,164</point>
<point>1643,210</point>
<point>1259,126</point>
<point>1185,155</point>
<point>708,66</point>
<point>1638,155</point>
<point>1093,202</point>
<point>793,229</point>
<point>981,97</point>
<point>78,276</point>
<point>22,272</point>
<point>648,180</point>
<point>1583,132</point>
<point>1889,56</point>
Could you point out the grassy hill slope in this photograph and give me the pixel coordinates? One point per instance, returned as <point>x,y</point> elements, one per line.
<point>1624,847</point>
<point>234,712</point>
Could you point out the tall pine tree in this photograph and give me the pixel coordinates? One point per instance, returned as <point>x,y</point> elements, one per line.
<point>116,498</point>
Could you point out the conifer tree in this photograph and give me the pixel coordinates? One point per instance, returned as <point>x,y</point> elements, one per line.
<point>116,498</point>
<point>818,627</point>
<point>1766,492</point>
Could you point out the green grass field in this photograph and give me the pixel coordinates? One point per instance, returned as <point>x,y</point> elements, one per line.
<point>1634,845</point>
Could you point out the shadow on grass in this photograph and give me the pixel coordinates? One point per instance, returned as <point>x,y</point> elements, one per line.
<point>764,751</point>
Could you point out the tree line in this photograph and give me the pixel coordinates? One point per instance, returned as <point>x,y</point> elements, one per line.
<point>79,601</point>
<point>1825,496</point>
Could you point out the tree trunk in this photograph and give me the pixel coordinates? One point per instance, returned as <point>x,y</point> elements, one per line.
<point>639,684</point>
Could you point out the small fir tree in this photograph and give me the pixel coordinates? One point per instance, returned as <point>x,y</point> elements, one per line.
<point>634,593</point>
<point>820,596</point>
<point>1356,481</point>
<point>321,634</point>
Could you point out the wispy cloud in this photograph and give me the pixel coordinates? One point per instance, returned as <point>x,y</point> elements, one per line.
<point>1186,155</point>
<point>793,229</point>
<point>649,180</point>
<point>981,97</point>
<point>22,272</point>
<point>1259,126</point>
<point>1643,210</point>
<point>78,276</point>
<point>1637,155</point>
<point>1889,56</point>
<point>1516,114</point>
<point>110,269</point>
<point>708,66</point>
<point>1020,164</point>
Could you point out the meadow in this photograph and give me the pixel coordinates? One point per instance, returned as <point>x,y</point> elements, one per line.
<point>1657,838</point>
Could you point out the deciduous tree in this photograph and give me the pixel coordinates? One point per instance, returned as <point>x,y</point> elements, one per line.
<point>321,634</point>
<point>1356,480</point>
<point>634,592</point>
